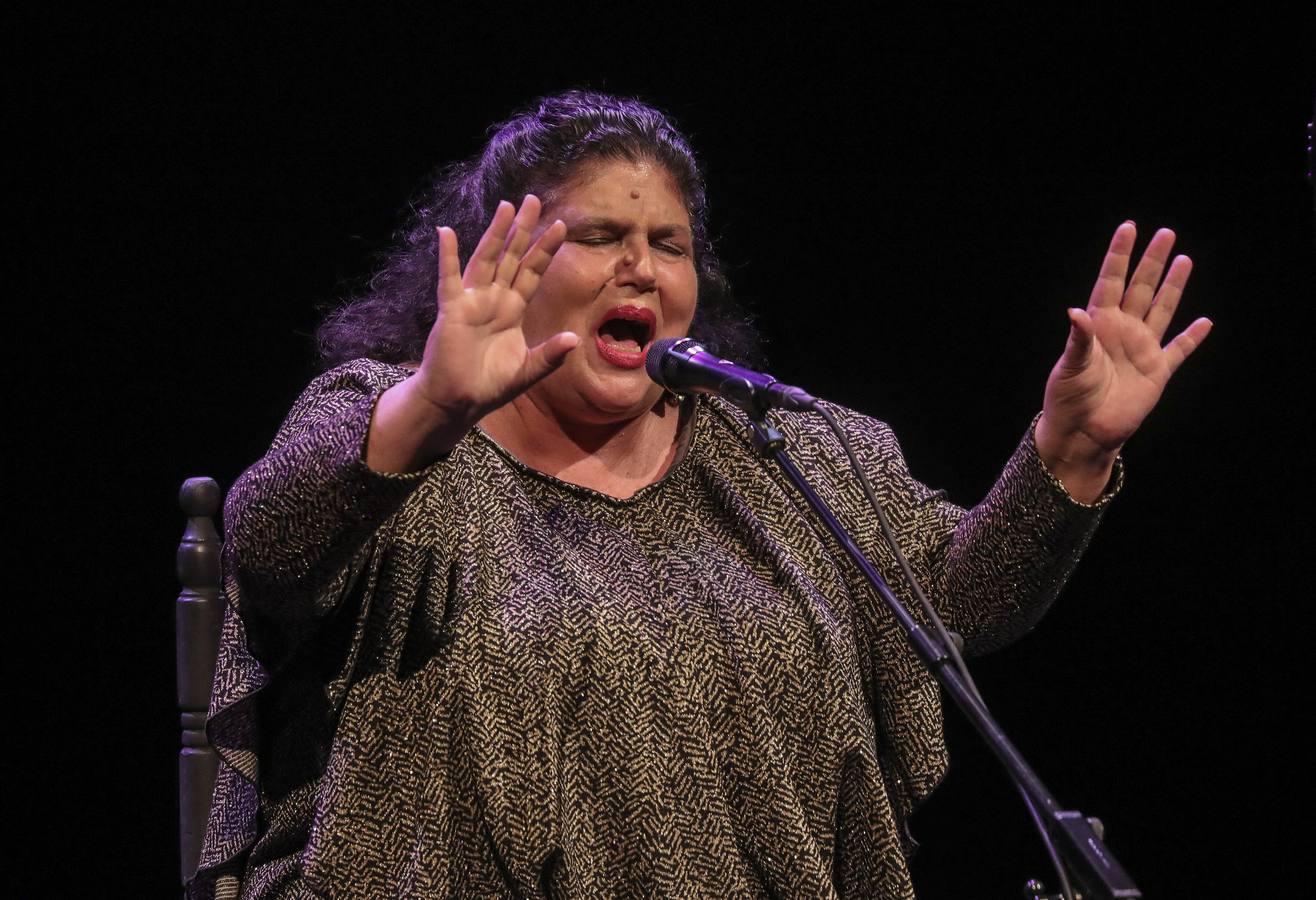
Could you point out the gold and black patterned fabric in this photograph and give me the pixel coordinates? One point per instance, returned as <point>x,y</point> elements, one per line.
<point>480,681</point>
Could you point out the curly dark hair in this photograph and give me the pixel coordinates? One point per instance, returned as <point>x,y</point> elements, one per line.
<point>537,151</point>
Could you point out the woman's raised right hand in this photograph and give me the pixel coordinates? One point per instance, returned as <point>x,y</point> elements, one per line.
<point>476,358</point>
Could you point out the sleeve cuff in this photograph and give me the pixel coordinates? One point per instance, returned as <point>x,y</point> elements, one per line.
<point>1113,487</point>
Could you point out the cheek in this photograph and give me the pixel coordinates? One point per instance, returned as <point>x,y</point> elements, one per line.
<point>683,299</point>
<point>560,301</point>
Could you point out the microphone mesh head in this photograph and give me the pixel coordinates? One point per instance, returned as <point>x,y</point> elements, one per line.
<point>653,359</point>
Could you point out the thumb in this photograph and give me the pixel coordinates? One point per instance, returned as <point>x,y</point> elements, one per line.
<point>544,358</point>
<point>1078,349</point>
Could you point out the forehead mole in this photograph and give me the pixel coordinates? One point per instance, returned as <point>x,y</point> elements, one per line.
<point>635,195</point>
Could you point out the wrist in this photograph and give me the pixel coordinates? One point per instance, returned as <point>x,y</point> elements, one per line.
<point>408,430</point>
<point>1082,465</point>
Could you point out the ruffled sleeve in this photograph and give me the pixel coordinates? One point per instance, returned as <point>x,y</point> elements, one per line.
<point>300,529</point>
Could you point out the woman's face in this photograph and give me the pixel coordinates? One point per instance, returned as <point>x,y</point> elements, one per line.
<point>624,277</point>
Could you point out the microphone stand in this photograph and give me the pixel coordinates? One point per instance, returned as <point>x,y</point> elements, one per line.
<point>1076,837</point>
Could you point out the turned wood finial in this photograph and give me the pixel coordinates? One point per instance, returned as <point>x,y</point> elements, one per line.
<point>199,497</point>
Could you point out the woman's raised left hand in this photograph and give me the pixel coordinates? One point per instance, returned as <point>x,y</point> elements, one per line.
<point>1114,368</point>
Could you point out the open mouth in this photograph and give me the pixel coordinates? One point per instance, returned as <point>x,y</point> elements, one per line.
<point>623,335</point>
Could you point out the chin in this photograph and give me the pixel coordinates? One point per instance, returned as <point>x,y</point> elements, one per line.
<point>606,404</point>
<point>617,409</point>
<point>590,392</point>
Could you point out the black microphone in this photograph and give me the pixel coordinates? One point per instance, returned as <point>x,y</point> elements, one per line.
<point>683,366</point>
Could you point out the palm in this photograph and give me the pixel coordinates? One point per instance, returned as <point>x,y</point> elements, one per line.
<point>1114,368</point>
<point>479,333</point>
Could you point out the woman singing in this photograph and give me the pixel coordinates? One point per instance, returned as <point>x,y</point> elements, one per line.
<point>506,619</point>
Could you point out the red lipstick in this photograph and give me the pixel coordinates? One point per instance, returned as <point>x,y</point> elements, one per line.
<point>623,334</point>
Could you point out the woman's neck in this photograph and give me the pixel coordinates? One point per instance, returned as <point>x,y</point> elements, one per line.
<point>616,458</point>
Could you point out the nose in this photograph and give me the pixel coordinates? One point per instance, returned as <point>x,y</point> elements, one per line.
<point>636,266</point>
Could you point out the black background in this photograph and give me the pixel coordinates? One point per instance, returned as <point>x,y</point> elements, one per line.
<point>908,202</point>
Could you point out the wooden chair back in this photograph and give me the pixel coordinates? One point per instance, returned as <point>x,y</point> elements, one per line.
<point>198,612</point>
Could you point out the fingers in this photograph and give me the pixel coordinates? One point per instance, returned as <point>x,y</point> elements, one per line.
<point>523,229</point>
<point>498,256</point>
<point>1167,298</point>
<point>482,265</point>
<point>1142,287</point>
<point>450,265</point>
<point>1141,298</point>
<point>501,257</point>
<point>535,262</point>
<point>1109,289</point>
<point>1188,340</point>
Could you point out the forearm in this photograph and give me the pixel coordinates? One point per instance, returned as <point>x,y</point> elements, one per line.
<point>1008,557</point>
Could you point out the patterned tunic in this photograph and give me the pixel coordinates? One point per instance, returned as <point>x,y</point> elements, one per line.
<point>480,681</point>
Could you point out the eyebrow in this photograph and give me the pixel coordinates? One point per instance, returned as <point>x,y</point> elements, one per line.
<point>606,224</point>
